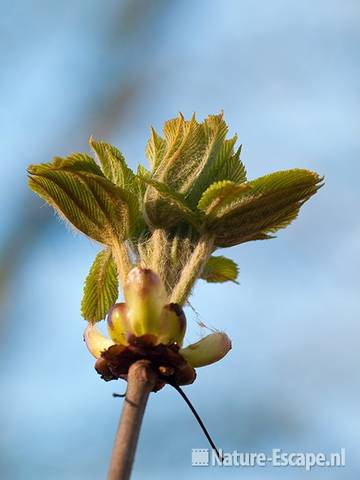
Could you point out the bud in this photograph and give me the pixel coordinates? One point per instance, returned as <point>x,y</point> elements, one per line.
<point>95,341</point>
<point>208,350</point>
<point>172,324</point>
<point>145,297</point>
<point>118,325</point>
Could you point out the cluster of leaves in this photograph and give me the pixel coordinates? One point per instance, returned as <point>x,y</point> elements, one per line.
<point>196,187</point>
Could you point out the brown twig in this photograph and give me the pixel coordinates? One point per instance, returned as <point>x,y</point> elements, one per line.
<point>141,381</point>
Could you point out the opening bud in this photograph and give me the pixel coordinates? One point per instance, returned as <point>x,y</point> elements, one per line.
<point>118,325</point>
<point>172,324</point>
<point>145,297</point>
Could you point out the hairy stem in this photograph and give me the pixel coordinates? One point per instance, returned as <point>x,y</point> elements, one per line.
<point>160,253</point>
<point>141,381</point>
<point>122,260</point>
<point>143,254</point>
<point>193,269</point>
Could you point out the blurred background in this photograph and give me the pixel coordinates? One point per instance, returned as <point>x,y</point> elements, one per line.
<point>286,74</point>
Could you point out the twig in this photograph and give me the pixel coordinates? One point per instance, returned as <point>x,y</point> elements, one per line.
<point>141,381</point>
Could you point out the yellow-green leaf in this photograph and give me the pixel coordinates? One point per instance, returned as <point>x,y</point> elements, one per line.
<point>80,162</point>
<point>116,170</point>
<point>230,167</point>
<point>155,149</point>
<point>100,288</point>
<point>220,269</point>
<point>220,193</point>
<point>271,203</point>
<point>193,155</point>
<point>186,144</point>
<point>165,207</point>
<point>88,201</point>
<point>113,164</point>
<point>215,130</point>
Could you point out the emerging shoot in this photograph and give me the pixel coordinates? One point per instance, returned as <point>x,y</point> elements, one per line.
<point>159,229</point>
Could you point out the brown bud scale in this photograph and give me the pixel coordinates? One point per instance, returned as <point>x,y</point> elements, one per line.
<point>115,362</point>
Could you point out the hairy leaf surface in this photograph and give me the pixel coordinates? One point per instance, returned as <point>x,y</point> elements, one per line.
<point>220,269</point>
<point>271,203</point>
<point>90,202</point>
<point>100,288</point>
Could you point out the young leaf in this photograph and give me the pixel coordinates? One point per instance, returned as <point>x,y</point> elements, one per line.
<point>220,269</point>
<point>116,170</point>
<point>142,173</point>
<point>215,130</point>
<point>193,155</point>
<point>80,162</point>
<point>185,147</point>
<point>272,202</point>
<point>89,202</point>
<point>231,167</point>
<point>100,288</point>
<point>220,193</point>
<point>165,207</point>
<point>227,165</point>
<point>113,164</point>
<point>155,149</point>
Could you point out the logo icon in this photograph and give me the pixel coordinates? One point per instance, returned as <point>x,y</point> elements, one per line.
<point>200,457</point>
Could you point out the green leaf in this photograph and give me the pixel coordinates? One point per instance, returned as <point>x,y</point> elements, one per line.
<point>100,288</point>
<point>215,130</point>
<point>193,155</point>
<point>185,147</point>
<point>113,164</point>
<point>271,203</point>
<point>80,162</point>
<point>155,149</point>
<point>142,173</point>
<point>220,193</point>
<point>230,167</point>
<point>165,207</point>
<point>220,269</point>
<point>226,166</point>
<point>116,170</point>
<point>165,203</point>
<point>89,202</point>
